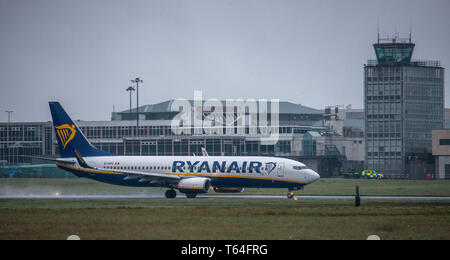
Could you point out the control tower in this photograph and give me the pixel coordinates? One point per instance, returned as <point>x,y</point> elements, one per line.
<point>394,51</point>
<point>404,102</point>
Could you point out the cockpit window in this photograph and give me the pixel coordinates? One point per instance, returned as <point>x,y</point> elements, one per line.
<point>299,168</point>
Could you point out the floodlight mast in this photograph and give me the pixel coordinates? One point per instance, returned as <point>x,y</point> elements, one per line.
<point>137,81</point>
<point>130,89</point>
<point>9,126</point>
<point>8,134</point>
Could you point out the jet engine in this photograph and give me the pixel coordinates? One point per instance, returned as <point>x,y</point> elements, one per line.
<point>194,185</point>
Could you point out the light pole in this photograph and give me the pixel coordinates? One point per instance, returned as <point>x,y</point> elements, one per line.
<point>130,89</point>
<point>9,124</point>
<point>9,129</point>
<point>137,81</point>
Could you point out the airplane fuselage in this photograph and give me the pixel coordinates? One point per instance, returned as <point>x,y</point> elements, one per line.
<point>223,171</point>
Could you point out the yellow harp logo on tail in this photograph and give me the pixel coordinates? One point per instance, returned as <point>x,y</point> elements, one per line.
<point>66,133</point>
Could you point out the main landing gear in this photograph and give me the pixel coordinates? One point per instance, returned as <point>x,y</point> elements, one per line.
<point>171,194</point>
<point>191,195</point>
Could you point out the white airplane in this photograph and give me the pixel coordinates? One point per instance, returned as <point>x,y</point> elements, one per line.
<point>190,175</point>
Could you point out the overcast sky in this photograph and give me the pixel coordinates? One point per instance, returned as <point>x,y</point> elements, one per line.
<point>83,53</point>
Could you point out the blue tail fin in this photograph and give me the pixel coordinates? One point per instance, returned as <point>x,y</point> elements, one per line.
<point>69,137</point>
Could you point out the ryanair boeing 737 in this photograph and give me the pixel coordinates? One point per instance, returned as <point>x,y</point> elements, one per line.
<point>190,175</point>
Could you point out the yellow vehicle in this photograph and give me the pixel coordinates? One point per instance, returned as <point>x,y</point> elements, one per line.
<point>371,174</point>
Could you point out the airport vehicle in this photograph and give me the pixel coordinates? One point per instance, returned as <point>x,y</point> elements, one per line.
<point>190,175</point>
<point>371,174</point>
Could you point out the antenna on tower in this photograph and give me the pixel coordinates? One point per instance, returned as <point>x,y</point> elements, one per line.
<point>396,33</point>
<point>378,29</point>
<point>410,31</point>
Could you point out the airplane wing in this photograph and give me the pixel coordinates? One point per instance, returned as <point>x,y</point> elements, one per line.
<point>131,175</point>
<point>148,176</point>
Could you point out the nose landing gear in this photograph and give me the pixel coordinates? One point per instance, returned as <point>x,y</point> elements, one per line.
<point>290,195</point>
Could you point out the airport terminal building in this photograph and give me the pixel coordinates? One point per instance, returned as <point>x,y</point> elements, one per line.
<point>302,136</point>
<point>332,143</point>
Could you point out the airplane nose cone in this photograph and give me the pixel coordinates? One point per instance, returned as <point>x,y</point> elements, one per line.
<point>314,176</point>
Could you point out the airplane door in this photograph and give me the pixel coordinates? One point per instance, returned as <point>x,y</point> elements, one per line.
<point>280,170</point>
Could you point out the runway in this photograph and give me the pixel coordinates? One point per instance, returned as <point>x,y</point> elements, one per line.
<point>105,197</point>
